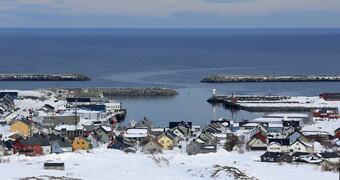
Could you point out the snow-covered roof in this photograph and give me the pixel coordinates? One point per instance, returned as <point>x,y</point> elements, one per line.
<point>68,127</point>
<point>137,131</point>
<point>107,128</point>
<point>275,125</point>
<point>159,129</point>
<point>250,124</point>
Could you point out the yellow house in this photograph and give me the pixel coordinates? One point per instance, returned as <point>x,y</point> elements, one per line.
<point>165,141</point>
<point>21,128</point>
<point>80,143</point>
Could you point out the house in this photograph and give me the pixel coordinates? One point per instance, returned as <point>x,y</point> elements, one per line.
<point>152,147</point>
<point>286,131</point>
<point>291,123</point>
<point>4,150</point>
<point>301,146</point>
<point>60,144</point>
<point>69,131</point>
<point>13,94</point>
<point>306,157</point>
<point>238,148</point>
<point>136,134</point>
<point>44,142</point>
<point>207,138</point>
<point>21,127</point>
<point>80,143</point>
<point>157,131</point>
<point>7,103</point>
<point>247,125</point>
<point>258,142</point>
<point>29,147</point>
<point>198,148</point>
<point>93,139</point>
<point>88,129</point>
<point>47,108</point>
<point>218,127</point>
<point>182,130</point>
<point>222,121</point>
<point>175,124</point>
<point>276,157</point>
<point>103,134</point>
<point>337,133</point>
<point>278,145</point>
<point>170,134</point>
<point>330,156</point>
<point>166,142</point>
<point>144,124</point>
<point>274,147</point>
<point>117,143</point>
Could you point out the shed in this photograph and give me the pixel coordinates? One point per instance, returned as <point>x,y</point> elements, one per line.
<point>54,166</point>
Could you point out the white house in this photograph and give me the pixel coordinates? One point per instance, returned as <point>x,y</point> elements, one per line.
<point>300,146</point>
<point>274,147</point>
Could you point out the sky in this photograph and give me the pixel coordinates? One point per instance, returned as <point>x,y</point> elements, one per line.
<point>170,13</point>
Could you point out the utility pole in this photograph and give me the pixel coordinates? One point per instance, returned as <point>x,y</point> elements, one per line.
<point>75,114</point>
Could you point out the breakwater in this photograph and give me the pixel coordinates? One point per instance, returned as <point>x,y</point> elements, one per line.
<point>254,103</point>
<point>139,92</point>
<point>223,78</point>
<point>217,99</point>
<point>43,77</point>
<point>116,92</point>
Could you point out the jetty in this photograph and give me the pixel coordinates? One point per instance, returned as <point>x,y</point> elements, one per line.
<point>254,103</point>
<point>224,78</point>
<point>43,77</point>
<point>115,92</point>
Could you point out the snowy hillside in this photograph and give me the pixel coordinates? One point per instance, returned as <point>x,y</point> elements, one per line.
<point>104,164</point>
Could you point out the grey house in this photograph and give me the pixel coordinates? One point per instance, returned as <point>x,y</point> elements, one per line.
<point>61,145</point>
<point>152,147</point>
<point>102,134</point>
<point>197,148</point>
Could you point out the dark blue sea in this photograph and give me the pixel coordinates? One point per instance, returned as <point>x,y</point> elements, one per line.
<point>177,58</point>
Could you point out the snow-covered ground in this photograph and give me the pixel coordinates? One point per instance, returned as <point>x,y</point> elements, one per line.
<point>327,126</point>
<point>104,164</point>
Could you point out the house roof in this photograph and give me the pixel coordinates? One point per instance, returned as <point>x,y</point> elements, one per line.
<point>273,154</point>
<point>260,136</point>
<point>64,142</point>
<point>329,155</point>
<point>89,127</point>
<point>68,127</point>
<point>106,128</point>
<point>297,154</point>
<point>284,142</point>
<point>42,138</point>
<point>170,134</point>
<point>78,100</point>
<point>294,136</point>
<point>175,124</point>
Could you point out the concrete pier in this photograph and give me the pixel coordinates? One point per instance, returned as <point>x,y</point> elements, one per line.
<point>223,78</point>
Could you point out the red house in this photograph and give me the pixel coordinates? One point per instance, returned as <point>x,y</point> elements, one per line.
<point>337,133</point>
<point>28,147</point>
